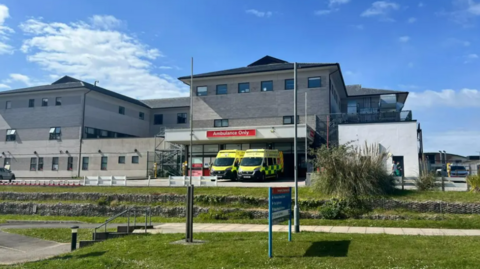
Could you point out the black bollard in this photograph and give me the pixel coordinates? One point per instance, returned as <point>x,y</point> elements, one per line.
<point>74,238</point>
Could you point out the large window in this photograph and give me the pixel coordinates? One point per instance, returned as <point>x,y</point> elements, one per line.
<point>6,161</point>
<point>182,118</point>
<point>44,101</point>
<point>220,123</point>
<point>158,119</point>
<point>55,133</point>
<point>267,86</point>
<point>31,103</point>
<point>98,133</point>
<point>222,89</point>
<point>121,159</point>
<point>202,91</point>
<point>85,163</point>
<point>314,82</point>
<point>70,163</point>
<point>8,105</point>
<point>289,84</point>
<point>33,164</point>
<point>141,115</point>
<point>55,164</point>
<point>58,101</point>
<point>40,164</point>
<point>121,110</point>
<point>11,135</point>
<point>104,163</point>
<point>289,120</point>
<point>134,159</point>
<point>243,87</point>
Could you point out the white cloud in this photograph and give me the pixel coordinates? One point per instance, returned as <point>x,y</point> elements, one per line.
<point>412,20</point>
<point>464,12</point>
<point>404,39</point>
<point>380,8</point>
<point>443,99</point>
<point>89,52</point>
<point>4,31</point>
<point>165,67</point>
<point>260,14</point>
<point>463,142</point>
<point>4,86</point>
<point>21,78</point>
<point>337,2</point>
<point>106,22</point>
<point>471,57</point>
<point>323,12</point>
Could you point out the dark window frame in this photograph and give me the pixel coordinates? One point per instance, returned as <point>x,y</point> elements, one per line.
<point>104,166</point>
<point>58,101</point>
<point>85,162</point>
<point>55,163</point>
<point>141,115</point>
<point>56,134</point>
<point>31,102</point>
<point>285,83</point>
<point>204,93</point>
<point>244,83</point>
<point>221,85</point>
<point>69,163</point>
<point>155,122</point>
<point>40,164</point>
<point>266,81</point>
<point>135,158</point>
<point>221,123</point>
<point>121,158</point>
<point>181,117</point>
<point>44,101</point>
<point>319,78</point>
<point>121,110</point>
<point>290,117</point>
<point>33,164</point>
<point>11,137</point>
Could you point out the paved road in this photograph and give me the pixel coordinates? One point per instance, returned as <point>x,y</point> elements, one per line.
<point>224,227</point>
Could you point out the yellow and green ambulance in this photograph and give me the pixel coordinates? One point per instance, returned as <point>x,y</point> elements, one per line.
<point>259,164</point>
<point>226,164</point>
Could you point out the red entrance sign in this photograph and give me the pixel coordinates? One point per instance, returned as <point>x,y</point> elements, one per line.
<point>231,133</point>
<point>280,190</point>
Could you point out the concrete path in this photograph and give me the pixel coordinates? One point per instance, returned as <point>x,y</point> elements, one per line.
<point>220,227</point>
<point>16,248</point>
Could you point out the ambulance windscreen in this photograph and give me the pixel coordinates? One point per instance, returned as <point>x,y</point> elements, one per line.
<point>223,161</point>
<point>251,161</point>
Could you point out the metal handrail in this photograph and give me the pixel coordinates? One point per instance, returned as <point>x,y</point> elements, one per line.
<point>109,220</point>
<point>148,215</point>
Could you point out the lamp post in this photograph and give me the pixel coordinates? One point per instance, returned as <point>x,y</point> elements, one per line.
<point>296,213</point>
<point>74,238</point>
<point>443,170</point>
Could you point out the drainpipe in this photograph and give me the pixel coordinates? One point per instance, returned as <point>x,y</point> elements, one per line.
<point>82,130</point>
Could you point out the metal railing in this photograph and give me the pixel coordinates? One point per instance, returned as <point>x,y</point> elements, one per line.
<point>148,218</point>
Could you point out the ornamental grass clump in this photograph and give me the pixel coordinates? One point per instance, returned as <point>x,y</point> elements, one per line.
<point>427,179</point>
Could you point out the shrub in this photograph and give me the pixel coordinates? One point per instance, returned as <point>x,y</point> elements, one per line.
<point>340,209</point>
<point>352,172</point>
<point>114,203</point>
<point>427,178</point>
<point>218,214</point>
<point>331,210</point>
<point>474,182</point>
<point>102,201</point>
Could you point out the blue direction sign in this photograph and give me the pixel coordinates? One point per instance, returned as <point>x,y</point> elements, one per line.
<point>279,210</point>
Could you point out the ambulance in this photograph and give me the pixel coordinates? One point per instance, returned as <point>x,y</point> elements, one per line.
<point>226,164</point>
<point>259,164</point>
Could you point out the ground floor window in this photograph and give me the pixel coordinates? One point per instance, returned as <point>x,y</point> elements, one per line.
<point>134,159</point>
<point>33,164</point>
<point>70,163</point>
<point>55,164</point>
<point>85,163</point>
<point>6,162</point>
<point>104,163</point>
<point>40,164</point>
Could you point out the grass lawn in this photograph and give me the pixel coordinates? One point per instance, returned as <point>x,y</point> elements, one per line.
<point>305,193</point>
<point>249,250</point>
<point>62,235</point>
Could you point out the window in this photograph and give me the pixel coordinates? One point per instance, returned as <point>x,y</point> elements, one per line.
<point>134,159</point>
<point>267,86</point>
<point>70,163</point>
<point>243,87</point>
<point>8,105</point>
<point>11,136</point>
<point>85,163</point>
<point>55,133</point>
<point>289,120</point>
<point>33,164</point>
<point>31,103</point>
<point>158,119</point>
<point>289,84</point>
<point>104,163</point>
<point>121,110</point>
<point>182,118</point>
<point>220,123</point>
<point>40,164</point>
<point>121,159</point>
<point>55,164</point>
<point>202,91</point>
<point>44,101</point>
<point>141,115</point>
<point>6,162</point>
<point>58,101</point>
<point>222,89</point>
<point>314,82</point>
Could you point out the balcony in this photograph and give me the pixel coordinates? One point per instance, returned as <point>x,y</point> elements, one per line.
<point>371,116</point>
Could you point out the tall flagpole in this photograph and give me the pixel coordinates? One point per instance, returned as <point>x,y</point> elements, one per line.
<point>296,214</point>
<point>191,122</point>
<point>306,137</point>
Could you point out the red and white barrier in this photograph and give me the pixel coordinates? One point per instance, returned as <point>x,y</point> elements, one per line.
<point>34,182</point>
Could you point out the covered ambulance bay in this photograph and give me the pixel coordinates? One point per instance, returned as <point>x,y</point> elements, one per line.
<point>207,143</point>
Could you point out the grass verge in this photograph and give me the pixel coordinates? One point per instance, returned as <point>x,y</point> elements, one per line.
<point>61,235</point>
<point>249,250</point>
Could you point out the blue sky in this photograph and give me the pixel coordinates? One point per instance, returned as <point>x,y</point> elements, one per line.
<point>430,48</point>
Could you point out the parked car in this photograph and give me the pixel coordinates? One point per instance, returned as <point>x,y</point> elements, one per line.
<point>6,174</point>
<point>458,171</point>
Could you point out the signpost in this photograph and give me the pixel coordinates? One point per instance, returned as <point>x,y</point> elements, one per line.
<point>279,210</point>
